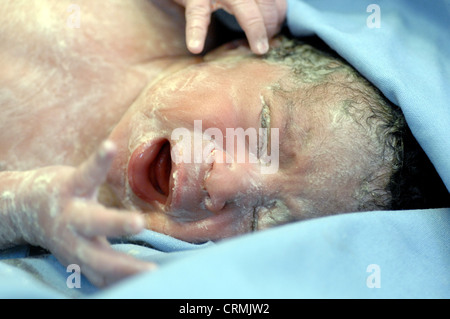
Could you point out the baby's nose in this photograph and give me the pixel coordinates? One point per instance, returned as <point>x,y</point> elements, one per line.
<point>227,183</point>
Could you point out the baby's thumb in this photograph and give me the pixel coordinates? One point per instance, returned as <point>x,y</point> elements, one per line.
<point>92,173</point>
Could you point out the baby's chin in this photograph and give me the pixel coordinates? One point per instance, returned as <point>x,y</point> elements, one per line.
<point>226,224</point>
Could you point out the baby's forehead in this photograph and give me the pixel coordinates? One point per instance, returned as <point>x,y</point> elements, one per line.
<point>314,115</point>
<point>305,110</point>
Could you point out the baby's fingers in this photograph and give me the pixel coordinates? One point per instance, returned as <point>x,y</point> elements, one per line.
<point>103,265</point>
<point>92,173</point>
<point>96,220</point>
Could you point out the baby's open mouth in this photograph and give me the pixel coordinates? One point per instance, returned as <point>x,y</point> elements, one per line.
<point>149,171</point>
<point>159,170</point>
<point>155,176</point>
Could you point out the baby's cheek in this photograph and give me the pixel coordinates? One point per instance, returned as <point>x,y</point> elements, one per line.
<point>275,213</point>
<point>231,183</point>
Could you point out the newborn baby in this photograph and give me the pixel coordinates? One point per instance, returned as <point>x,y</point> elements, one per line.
<point>198,147</point>
<point>329,149</point>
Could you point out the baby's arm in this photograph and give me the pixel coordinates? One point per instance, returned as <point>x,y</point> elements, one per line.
<point>260,20</point>
<point>56,208</point>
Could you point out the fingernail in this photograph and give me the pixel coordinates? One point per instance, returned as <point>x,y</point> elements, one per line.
<point>194,45</point>
<point>109,145</point>
<point>150,267</point>
<point>262,46</point>
<point>195,41</point>
<point>107,148</point>
<point>135,225</point>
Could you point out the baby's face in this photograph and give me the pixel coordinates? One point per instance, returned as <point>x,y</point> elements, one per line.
<point>194,160</point>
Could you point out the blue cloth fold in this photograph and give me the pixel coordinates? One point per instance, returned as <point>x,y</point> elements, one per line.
<point>386,254</point>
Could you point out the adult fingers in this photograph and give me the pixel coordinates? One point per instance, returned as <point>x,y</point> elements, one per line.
<point>269,12</point>
<point>251,21</point>
<point>282,9</point>
<point>91,173</point>
<point>198,17</point>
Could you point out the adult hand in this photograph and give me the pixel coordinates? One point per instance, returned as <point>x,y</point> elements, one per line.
<point>260,20</point>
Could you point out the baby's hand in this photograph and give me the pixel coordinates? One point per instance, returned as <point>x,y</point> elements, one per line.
<point>65,217</point>
<point>260,20</point>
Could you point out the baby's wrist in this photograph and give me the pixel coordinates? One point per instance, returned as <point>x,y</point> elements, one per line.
<point>20,207</point>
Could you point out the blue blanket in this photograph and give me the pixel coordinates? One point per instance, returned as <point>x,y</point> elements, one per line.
<point>401,254</point>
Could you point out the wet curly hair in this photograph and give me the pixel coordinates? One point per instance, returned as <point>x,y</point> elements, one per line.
<point>413,183</point>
